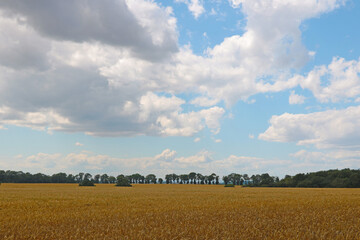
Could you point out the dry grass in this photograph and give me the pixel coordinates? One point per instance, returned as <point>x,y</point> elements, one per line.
<point>66,211</point>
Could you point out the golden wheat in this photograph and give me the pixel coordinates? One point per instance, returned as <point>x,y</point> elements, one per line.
<point>66,211</point>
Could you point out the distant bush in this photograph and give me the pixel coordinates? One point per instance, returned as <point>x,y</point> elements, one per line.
<point>86,183</point>
<point>122,181</point>
<point>229,185</point>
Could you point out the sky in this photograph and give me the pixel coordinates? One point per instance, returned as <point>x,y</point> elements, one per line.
<point>150,86</point>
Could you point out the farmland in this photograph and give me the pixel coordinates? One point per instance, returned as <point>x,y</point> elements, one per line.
<point>67,211</point>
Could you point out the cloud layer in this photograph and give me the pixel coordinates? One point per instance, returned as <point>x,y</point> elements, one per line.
<point>166,162</point>
<point>115,68</point>
<point>327,129</point>
<point>339,81</point>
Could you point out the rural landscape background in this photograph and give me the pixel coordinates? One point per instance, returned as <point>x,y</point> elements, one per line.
<point>179,119</point>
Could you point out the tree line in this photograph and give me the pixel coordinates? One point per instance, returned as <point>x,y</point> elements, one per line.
<point>344,178</point>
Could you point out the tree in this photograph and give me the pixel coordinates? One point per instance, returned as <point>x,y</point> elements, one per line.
<point>81,176</point>
<point>59,178</point>
<point>210,178</point>
<point>112,179</point>
<point>202,179</point>
<point>88,176</point>
<point>246,179</point>
<point>232,178</point>
<point>104,178</point>
<point>2,176</point>
<point>151,178</point>
<point>192,177</point>
<point>70,178</point>
<point>183,178</point>
<point>122,181</point>
<point>161,180</point>
<point>225,179</point>
<point>86,183</point>
<point>198,177</point>
<point>168,178</point>
<point>266,179</point>
<point>97,178</point>
<point>175,178</point>
<point>256,179</point>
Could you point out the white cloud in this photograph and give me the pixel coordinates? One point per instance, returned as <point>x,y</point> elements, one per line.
<point>168,162</point>
<point>340,80</point>
<point>201,157</point>
<point>331,159</point>
<point>161,164</point>
<point>79,144</point>
<point>167,154</point>
<point>204,102</point>
<point>44,119</point>
<point>251,136</point>
<point>296,99</point>
<point>218,140</point>
<point>235,3</point>
<point>327,129</point>
<point>118,23</point>
<point>197,139</point>
<point>123,75</point>
<point>196,7</point>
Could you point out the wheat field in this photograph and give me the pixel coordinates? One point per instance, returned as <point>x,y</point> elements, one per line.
<point>67,211</point>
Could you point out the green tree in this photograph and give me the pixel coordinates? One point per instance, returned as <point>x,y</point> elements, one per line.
<point>88,176</point>
<point>151,178</point>
<point>168,178</point>
<point>192,177</point>
<point>122,181</point>
<point>225,179</point>
<point>104,178</point>
<point>112,179</point>
<point>81,176</point>
<point>97,178</point>
<point>86,183</point>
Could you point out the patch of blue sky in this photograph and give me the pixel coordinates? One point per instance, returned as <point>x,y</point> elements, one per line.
<point>239,133</point>
<point>333,34</point>
<point>32,142</point>
<point>16,140</point>
<point>219,21</point>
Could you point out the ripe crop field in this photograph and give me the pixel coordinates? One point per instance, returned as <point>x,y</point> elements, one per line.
<point>66,211</point>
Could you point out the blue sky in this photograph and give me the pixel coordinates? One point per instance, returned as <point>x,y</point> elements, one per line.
<point>124,86</point>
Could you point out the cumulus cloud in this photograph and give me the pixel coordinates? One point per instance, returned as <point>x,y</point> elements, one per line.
<point>340,80</point>
<point>272,40</point>
<point>167,154</point>
<point>79,144</point>
<point>118,23</point>
<point>296,99</point>
<point>327,160</point>
<point>327,129</point>
<point>114,68</point>
<point>201,157</point>
<point>204,102</point>
<point>196,7</point>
